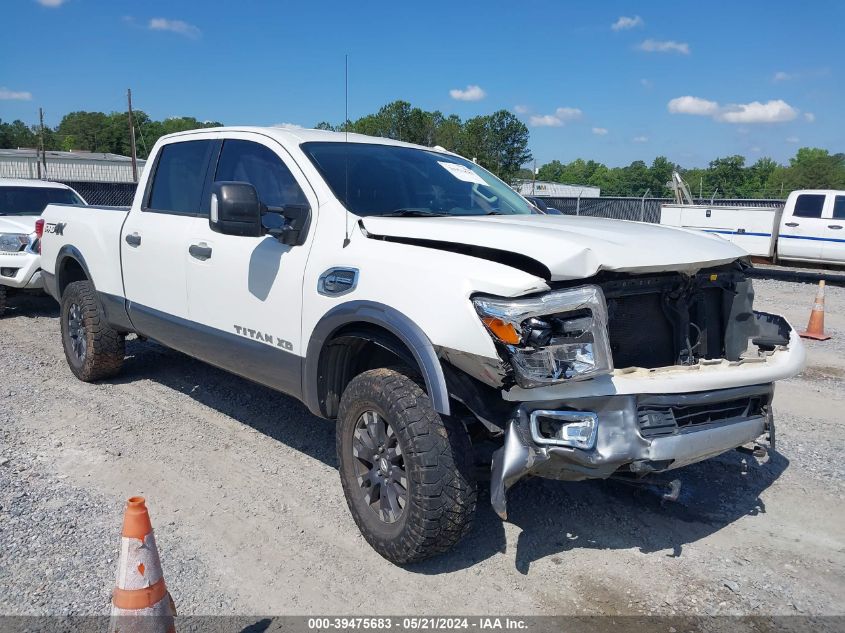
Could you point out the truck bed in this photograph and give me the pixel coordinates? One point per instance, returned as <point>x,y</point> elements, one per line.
<point>94,233</point>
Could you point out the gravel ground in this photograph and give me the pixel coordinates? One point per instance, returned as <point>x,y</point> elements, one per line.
<point>249,516</point>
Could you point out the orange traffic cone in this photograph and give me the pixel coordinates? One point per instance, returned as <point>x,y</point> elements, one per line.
<point>815,328</point>
<point>140,601</point>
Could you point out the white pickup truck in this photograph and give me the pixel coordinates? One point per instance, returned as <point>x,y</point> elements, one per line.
<point>414,298</point>
<point>810,227</point>
<point>21,204</point>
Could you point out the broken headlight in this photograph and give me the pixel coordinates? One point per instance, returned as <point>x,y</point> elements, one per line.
<point>552,338</point>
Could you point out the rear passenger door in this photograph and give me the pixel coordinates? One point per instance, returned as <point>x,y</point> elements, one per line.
<point>156,236</point>
<point>802,233</point>
<point>246,292</point>
<point>834,247</point>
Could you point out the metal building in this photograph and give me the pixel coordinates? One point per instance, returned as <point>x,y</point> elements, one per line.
<point>544,189</point>
<point>76,166</point>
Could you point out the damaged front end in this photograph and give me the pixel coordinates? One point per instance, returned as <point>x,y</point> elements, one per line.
<point>596,438</point>
<point>616,375</point>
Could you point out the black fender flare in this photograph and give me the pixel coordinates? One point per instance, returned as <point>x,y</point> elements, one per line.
<point>69,251</point>
<point>394,322</point>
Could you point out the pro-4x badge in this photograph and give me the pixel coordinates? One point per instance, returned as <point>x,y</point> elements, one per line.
<point>57,228</point>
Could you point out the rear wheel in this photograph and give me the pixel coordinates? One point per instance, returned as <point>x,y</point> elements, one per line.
<point>406,471</point>
<point>93,349</point>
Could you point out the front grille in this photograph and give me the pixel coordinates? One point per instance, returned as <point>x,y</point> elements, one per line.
<point>656,421</point>
<point>640,333</point>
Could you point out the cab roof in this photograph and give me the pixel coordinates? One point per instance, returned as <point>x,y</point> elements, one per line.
<point>297,136</point>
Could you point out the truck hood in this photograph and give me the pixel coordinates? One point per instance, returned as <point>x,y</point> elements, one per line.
<point>18,223</point>
<point>569,247</point>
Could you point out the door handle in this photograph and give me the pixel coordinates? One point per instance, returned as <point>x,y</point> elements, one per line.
<point>792,224</point>
<point>133,239</point>
<point>834,226</point>
<point>200,252</point>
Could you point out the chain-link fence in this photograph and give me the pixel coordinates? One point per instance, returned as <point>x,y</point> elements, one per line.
<point>638,209</point>
<point>106,194</point>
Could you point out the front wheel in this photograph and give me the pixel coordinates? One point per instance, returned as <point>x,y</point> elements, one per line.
<point>405,470</point>
<point>93,349</point>
<point>2,300</point>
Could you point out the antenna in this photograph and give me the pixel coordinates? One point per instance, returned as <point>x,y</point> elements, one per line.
<point>132,137</point>
<point>346,148</point>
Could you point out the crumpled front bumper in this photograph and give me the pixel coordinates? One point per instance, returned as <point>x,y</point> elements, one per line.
<point>620,444</point>
<point>21,270</point>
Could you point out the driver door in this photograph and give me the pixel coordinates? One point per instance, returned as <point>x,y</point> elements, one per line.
<point>247,291</point>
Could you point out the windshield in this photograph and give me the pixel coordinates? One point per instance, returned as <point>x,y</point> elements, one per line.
<point>32,200</point>
<point>372,179</point>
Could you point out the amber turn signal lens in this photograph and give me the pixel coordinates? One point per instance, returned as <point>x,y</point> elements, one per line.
<point>505,332</point>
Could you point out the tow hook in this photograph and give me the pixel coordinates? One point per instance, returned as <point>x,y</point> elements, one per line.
<point>758,450</point>
<point>671,490</point>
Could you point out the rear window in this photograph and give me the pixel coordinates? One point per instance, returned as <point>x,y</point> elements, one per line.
<point>32,200</point>
<point>180,177</point>
<point>809,205</point>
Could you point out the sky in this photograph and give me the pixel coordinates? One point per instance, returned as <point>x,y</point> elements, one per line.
<point>607,81</point>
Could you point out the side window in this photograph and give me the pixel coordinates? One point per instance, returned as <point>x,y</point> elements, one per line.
<point>179,177</point>
<point>839,208</point>
<point>809,205</point>
<point>245,161</point>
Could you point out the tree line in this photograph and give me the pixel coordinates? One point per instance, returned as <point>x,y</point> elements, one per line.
<point>97,132</point>
<point>497,141</point>
<point>728,177</point>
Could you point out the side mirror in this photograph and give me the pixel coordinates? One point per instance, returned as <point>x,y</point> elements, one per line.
<point>235,209</point>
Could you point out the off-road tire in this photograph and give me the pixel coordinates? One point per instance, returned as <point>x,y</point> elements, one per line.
<point>437,456</point>
<point>104,347</point>
<point>2,300</point>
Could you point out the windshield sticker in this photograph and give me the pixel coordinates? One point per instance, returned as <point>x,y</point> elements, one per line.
<point>462,172</point>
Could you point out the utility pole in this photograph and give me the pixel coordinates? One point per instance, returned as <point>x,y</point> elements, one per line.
<point>41,143</point>
<point>132,137</point>
<point>534,183</point>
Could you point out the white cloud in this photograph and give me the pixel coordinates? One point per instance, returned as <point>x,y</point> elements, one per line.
<point>646,83</point>
<point>773,111</point>
<point>624,23</point>
<point>664,46</point>
<point>545,120</point>
<point>809,117</point>
<point>640,139</point>
<point>599,131</point>
<point>472,93</point>
<point>51,3</point>
<point>568,114</point>
<point>290,126</point>
<point>693,105</point>
<point>560,117</point>
<point>14,95</point>
<point>521,109</point>
<point>793,140</point>
<point>782,76</point>
<point>175,26</point>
